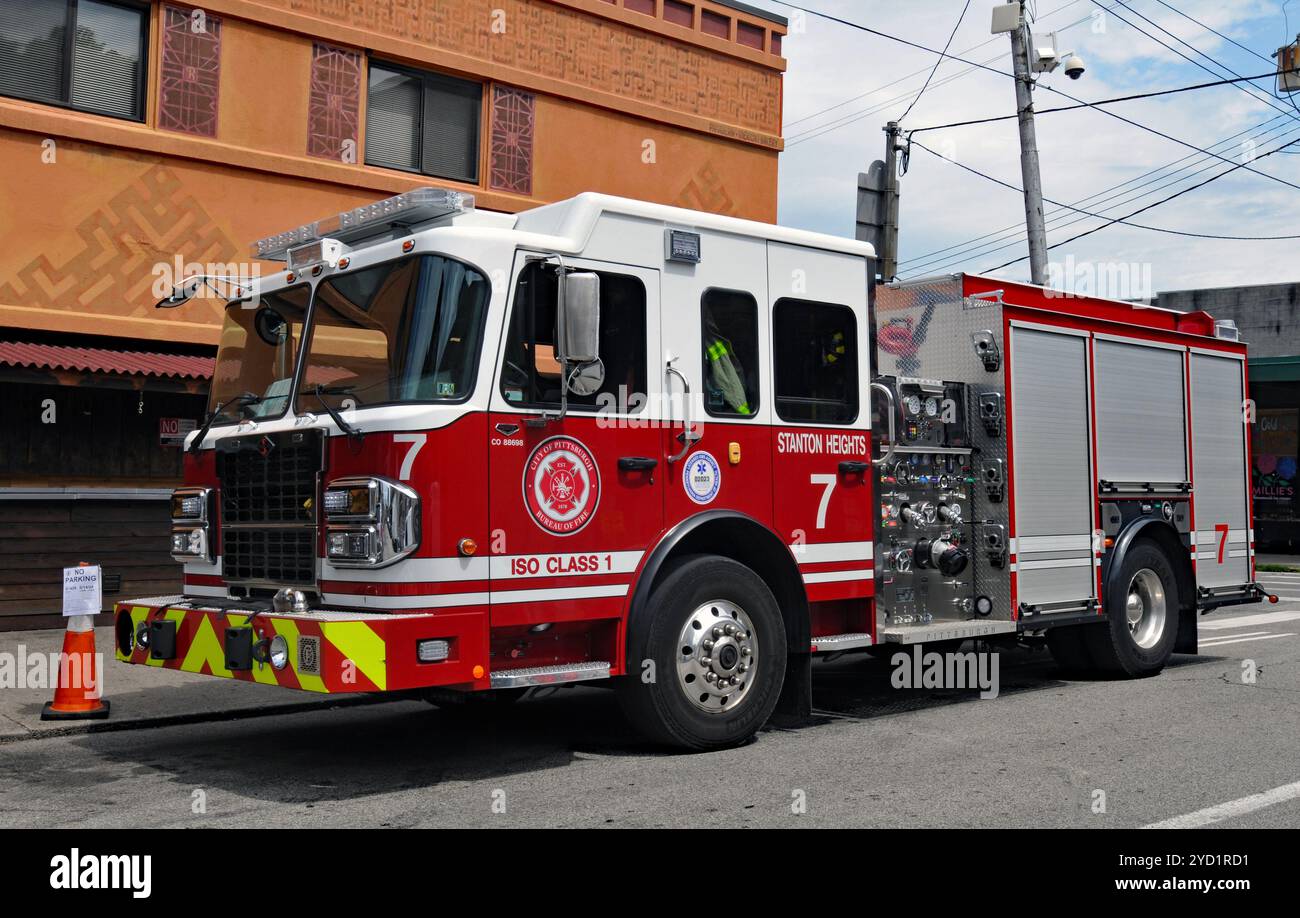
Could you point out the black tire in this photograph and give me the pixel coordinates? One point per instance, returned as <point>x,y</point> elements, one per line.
<point>1112,645</point>
<point>1069,647</point>
<point>704,590</point>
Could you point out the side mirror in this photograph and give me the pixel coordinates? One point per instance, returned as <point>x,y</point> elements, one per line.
<point>181,293</point>
<point>579,318</point>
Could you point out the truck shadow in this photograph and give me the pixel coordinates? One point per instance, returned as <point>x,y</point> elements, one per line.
<point>352,752</point>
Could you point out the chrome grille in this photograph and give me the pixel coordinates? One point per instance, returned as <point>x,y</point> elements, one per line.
<point>269,495</point>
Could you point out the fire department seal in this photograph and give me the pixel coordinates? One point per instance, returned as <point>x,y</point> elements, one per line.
<point>561,485</point>
<point>702,477</point>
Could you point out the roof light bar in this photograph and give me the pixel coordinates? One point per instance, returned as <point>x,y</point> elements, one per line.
<point>407,209</point>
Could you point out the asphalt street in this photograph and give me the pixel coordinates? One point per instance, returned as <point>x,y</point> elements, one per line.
<point>1195,744</point>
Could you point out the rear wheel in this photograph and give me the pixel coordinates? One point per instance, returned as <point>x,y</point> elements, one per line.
<point>1141,624</point>
<point>713,633</point>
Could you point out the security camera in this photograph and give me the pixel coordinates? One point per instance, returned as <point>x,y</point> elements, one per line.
<point>1074,66</point>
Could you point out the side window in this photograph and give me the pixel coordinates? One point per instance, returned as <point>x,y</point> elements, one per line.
<point>729,321</point>
<point>531,375</point>
<point>816,359</point>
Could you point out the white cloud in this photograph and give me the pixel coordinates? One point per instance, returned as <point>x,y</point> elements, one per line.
<point>1082,152</point>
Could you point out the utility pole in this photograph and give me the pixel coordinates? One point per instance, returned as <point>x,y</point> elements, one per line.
<point>877,218</point>
<point>889,257</point>
<point>1032,178</point>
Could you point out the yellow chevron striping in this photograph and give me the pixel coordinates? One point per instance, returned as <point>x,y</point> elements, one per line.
<point>361,645</point>
<point>289,628</point>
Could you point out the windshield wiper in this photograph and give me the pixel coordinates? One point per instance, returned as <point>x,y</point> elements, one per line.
<point>244,398</point>
<point>320,392</point>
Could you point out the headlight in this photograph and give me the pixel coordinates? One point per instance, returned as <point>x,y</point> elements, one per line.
<point>190,504</point>
<point>352,499</point>
<point>279,654</point>
<point>189,544</point>
<point>371,522</point>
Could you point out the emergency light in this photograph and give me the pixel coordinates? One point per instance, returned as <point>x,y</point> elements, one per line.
<point>402,211</point>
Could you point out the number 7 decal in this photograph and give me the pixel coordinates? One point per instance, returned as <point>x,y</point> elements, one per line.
<point>1222,530</point>
<point>417,441</point>
<point>828,482</point>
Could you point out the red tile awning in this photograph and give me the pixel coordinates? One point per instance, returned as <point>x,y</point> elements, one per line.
<point>101,360</point>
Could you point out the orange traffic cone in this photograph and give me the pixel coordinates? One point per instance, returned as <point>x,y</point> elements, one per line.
<point>77,689</point>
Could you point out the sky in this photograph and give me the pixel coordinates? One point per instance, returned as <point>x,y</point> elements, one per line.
<point>843,85</point>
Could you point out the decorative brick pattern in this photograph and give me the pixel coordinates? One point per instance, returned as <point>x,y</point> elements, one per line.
<point>121,244</point>
<point>566,44</point>
<point>333,110</point>
<point>707,191</point>
<point>514,114</point>
<point>191,72</point>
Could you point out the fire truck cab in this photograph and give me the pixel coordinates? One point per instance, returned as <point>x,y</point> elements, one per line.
<point>451,451</point>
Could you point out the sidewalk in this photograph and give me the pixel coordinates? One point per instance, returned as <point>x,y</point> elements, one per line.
<point>140,695</point>
<point>1291,561</point>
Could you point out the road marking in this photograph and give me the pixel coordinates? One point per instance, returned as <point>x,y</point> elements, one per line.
<point>1267,637</point>
<point>1248,621</point>
<point>1231,809</point>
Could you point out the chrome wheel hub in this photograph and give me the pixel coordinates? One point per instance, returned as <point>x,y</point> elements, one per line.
<point>1146,608</point>
<point>717,656</point>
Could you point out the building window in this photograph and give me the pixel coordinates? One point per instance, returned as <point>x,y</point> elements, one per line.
<point>729,319</point>
<point>423,122</point>
<point>191,72</point>
<point>715,24</point>
<point>85,54</point>
<point>531,376</point>
<point>750,36</point>
<point>514,121</point>
<point>816,360</point>
<point>333,104</point>
<point>679,13</point>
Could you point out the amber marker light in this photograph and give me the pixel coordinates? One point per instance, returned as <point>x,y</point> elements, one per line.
<point>408,245</point>
<point>467,547</point>
<point>478,672</point>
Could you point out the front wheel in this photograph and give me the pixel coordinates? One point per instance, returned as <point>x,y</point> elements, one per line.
<point>1141,624</point>
<point>705,656</point>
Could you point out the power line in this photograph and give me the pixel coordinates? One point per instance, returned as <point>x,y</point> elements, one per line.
<point>856,116</point>
<point>1265,99</point>
<point>1060,92</point>
<point>1115,220</point>
<point>977,247</point>
<point>1124,220</point>
<point>946,46</point>
<point>1267,60</point>
<point>1129,98</point>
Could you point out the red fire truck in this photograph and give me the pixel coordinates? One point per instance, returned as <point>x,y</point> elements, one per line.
<point>451,451</point>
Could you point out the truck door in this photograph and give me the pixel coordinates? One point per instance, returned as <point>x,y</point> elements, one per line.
<point>575,501</point>
<point>714,335</point>
<point>821,472</point>
<point>1219,497</point>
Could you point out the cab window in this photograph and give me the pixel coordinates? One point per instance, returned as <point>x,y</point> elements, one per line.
<point>530,376</point>
<point>816,356</point>
<point>729,323</point>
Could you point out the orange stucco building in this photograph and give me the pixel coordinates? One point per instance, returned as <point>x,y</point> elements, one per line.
<point>142,140</point>
<point>252,117</point>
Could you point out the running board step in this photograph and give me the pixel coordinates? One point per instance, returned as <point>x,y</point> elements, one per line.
<point>550,675</point>
<point>945,631</point>
<point>833,643</point>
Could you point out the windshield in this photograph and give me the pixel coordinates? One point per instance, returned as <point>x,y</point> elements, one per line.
<point>404,331</point>
<point>259,341</point>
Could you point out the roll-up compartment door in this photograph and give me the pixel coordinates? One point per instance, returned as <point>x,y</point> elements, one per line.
<point>1051,470</point>
<point>1141,430</point>
<point>1219,464</point>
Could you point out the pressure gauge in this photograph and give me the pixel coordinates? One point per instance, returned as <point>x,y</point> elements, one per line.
<point>902,473</point>
<point>932,407</point>
<point>913,404</point>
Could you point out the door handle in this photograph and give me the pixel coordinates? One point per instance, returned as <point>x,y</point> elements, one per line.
<point>687,437</point>
<point>853,467</point>
<point>893,434</point>
<point>637,464</point>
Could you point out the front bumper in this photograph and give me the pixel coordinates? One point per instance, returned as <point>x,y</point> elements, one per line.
<point>328,652</point>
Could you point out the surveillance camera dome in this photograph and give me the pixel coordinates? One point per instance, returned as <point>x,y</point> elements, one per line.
<point>1074,66</point>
